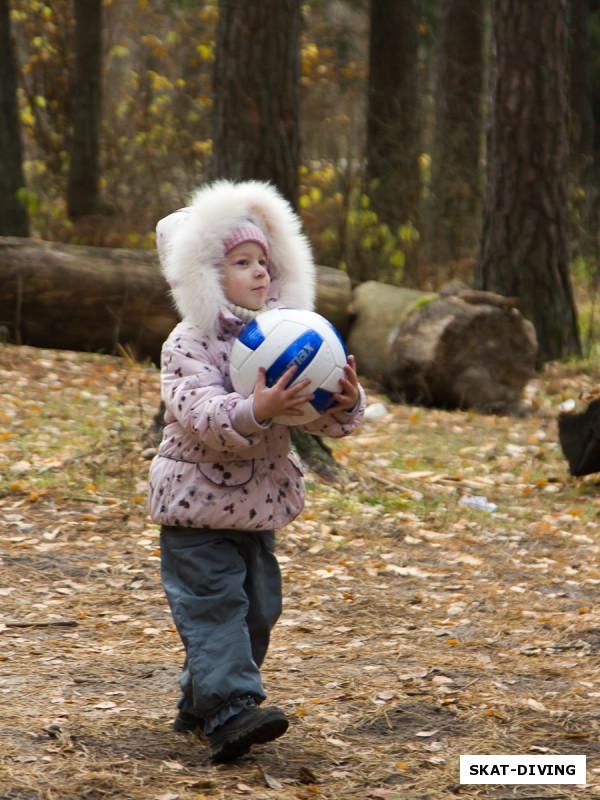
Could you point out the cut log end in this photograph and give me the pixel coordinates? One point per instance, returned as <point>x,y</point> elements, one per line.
<point>456,355</point>
<point>446,351</point>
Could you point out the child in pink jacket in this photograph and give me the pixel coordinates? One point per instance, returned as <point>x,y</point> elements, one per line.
<point>224,478</point>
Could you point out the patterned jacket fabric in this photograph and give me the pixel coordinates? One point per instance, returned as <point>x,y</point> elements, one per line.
<point>217,467</point>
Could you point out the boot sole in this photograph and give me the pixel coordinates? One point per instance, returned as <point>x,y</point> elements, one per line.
<point>265,731</point>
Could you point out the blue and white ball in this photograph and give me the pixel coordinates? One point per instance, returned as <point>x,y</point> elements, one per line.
<point>281,337</point>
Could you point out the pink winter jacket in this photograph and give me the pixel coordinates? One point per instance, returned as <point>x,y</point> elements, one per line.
<point>217,467</point>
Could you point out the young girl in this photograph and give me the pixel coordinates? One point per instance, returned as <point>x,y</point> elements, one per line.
<point>224,478</point>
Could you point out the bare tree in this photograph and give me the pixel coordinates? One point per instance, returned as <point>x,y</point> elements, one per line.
<point>13,216</point>
<point>456,179</point>
<point>585,130</point>
<point>82,185</point>
<point>393,112</point>
<point>525,238</point>
<point>257,93</point>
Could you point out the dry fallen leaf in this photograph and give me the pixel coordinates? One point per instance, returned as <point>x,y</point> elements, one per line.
<point>535,704</point>
<point>271,782</point>
<point>390,572</point>
<point>176,766</point>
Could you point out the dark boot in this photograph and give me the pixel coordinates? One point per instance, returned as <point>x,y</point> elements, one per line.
<point>253,725</point>
<point>186,723</point>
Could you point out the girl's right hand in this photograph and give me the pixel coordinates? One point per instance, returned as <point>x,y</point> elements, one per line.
<point>279,399</point>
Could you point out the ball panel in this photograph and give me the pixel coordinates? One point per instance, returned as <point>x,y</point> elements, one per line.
<point>332,381</point>
<point>322,401</point>
<point>244,362</point>
<point>318,323</point>
<point>300,352</point>
<point>281,337</point>
<point>243,383</point>
<point>269,320</point>
<point>239,354</point>
<point>252,336</point>
<point>320,367</point>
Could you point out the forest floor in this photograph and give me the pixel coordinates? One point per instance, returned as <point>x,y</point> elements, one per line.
<point>416,627</point>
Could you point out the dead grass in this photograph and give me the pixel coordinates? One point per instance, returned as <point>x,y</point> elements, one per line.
<point>416,628</point>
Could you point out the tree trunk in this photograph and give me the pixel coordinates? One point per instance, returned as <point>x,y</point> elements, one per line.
<point>393,116</point>
<point>525,242</point>
<point>585,131</point>
<point>470,349</point>
<point>82,184</point>
<point>103,299</point>
<point>580,117</point>
<point>456,178</point>
<point>13,216</point>
<point>257,93</point>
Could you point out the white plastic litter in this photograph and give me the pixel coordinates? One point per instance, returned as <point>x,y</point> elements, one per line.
<point>477,501</point>
<point>568,405</point>
<point>375,411</point>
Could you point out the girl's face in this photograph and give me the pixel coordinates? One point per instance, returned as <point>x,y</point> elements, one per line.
<point>245,277</point>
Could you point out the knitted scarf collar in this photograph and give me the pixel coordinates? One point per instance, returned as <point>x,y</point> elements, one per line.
<point>244,314</point>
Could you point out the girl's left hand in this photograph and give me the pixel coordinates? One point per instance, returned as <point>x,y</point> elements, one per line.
<point>347,398</point>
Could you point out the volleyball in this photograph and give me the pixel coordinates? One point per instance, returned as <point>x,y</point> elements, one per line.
<point>279,338</point>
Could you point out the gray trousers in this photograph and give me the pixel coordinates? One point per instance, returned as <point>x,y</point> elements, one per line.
<point>224,591</point>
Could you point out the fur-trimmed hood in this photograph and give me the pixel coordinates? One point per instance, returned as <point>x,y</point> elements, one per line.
<point>190,248</point>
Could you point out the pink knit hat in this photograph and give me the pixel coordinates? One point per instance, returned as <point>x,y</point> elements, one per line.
<point>248,232</point>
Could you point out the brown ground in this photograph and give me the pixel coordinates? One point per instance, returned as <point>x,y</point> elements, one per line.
<point>415,628</point>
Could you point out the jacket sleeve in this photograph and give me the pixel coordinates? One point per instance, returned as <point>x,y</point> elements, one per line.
<point>194,393</point>
<point>340,424</point>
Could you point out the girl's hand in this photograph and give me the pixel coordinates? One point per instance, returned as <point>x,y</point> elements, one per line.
<point>279,400</point>
<point>347,398</point>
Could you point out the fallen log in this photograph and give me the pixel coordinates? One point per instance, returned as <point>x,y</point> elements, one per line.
<point>453,350</point>
<point>101,299</point>
<point>470,350</point>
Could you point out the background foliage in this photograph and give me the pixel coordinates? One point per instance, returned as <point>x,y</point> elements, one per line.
<point>156,140</point>
<point>156,136</point>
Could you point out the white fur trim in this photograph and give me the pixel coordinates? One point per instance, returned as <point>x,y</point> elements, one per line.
<point>190,243</point>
